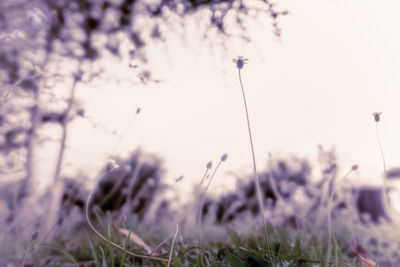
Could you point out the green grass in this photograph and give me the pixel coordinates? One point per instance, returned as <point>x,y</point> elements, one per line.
<point>230,249</point>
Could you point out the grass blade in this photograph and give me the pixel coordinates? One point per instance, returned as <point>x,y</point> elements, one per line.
<point>63,250</point>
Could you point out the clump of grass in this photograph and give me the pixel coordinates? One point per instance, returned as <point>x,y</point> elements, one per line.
<point>108,239</point>
<point>240,61</point>
<point>64,251</point>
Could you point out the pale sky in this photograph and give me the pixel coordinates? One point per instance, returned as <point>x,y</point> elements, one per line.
<point>338,62</point>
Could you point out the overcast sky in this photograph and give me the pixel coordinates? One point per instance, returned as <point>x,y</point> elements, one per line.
<point>337,62</point>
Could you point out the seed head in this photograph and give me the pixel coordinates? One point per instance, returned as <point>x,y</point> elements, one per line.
<point>209,165</point>
<point>240,61</point>
<point>224,157</point>
<point>377,116</point>
<point>35,236</point>
<point>354,167</point>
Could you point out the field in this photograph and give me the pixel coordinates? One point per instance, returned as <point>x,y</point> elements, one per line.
<point>129,220</point>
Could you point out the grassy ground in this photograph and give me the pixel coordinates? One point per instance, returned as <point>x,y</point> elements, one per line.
<point>222,246</point>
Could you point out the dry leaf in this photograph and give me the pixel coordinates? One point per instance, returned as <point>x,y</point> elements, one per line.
<point>38,70</point>
<point>362,255</point>
<point>136,239</point>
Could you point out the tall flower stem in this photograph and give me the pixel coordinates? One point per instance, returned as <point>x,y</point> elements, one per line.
<point>34,237</point>
<point>89,199</point>
<point>190,219</point>
<point>385,197</point>
<point>259,194</point>
<point>223,158</point>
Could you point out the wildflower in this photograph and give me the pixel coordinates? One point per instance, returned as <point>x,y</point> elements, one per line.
<point>354,167</point>
<point>240,61</point>
<point>138,110</point>
<point>377,116</point>
<point>209,165</point>
<point>224,157</point>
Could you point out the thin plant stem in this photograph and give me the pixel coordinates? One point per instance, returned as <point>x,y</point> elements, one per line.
<point>192,205</point>
<point>26,253</point>
<point>328,250</point>
<point>198,188</point>
<point>380,148</point>
<point>201,207</point>
<point>114,149</point>
<point>388,208</point>
<point>64,251</point>
<point>155,250</point>
<point>126,247</point>
<point>259,195</point>
<point>109,241</point>
<point>323,196</point>
<point>90,198</point>
<point>125,133</point>
<point>203,179</point>
<point>272,182</point>
<point>172,246</point>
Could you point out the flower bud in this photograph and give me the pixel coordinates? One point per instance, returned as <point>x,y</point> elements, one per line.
<point>240,61</point>
<point>377,116</point>
<point>209,165</point>
<point>35,236</point>
<point>224,157</point>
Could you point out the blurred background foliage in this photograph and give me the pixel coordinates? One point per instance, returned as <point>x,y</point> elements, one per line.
<point>48,49</point>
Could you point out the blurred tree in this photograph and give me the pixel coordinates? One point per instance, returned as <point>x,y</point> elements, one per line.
<point>130,190</point>
<point>49,47</point>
